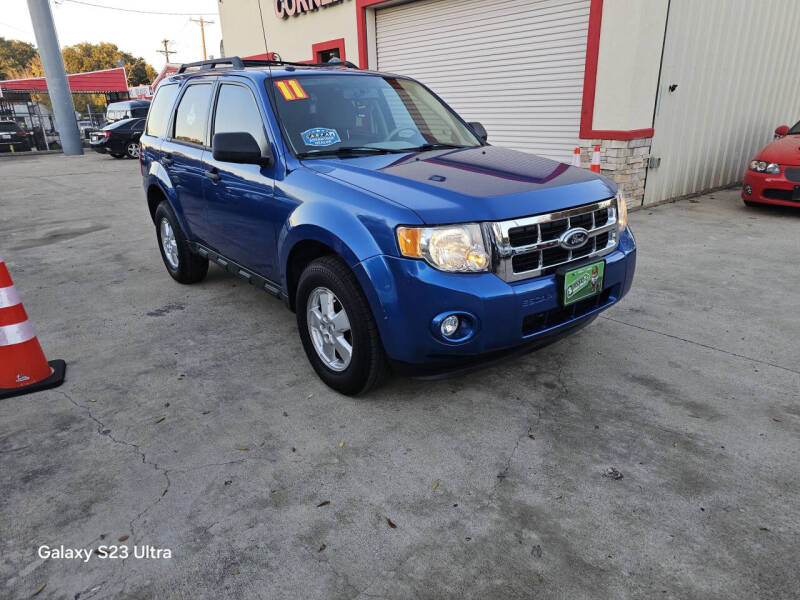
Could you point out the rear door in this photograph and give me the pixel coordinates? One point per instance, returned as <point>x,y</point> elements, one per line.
<point>158,120</point>
<point>240,199</point>
<point>183,152</point>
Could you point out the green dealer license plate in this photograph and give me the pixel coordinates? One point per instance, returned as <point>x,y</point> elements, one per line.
<point>583,282</point>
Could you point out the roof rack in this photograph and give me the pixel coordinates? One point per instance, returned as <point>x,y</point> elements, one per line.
<point>281,63</point>
<point>237,63</point>
<point>233,61</point>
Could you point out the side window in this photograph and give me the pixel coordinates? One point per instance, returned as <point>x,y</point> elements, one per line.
<point>192,112</point>
<point>237,111</point>
<point>160,109</point>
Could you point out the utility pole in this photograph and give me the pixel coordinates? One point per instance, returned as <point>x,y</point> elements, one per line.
<point>166,51</point>
<point>202,23</point>
<point>57,85</point>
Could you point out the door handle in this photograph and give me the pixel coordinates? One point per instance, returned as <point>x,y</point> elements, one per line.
<point>213,175</point>
<point>168,162</point>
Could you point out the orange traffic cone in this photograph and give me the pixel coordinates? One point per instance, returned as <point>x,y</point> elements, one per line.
<point>596,160</point>
<point>576,157</point>
<point>23,367</point>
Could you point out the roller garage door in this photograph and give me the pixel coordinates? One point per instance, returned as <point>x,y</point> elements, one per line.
<point>515,66</point>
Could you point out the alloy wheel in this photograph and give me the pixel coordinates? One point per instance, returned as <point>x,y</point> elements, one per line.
<point>169,243</point>
<point>329,328</point>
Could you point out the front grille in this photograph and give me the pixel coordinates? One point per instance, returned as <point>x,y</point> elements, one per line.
<point>792,173</point>
<point>563,314</point>
<point>776,194</point>
<point>530,247</point>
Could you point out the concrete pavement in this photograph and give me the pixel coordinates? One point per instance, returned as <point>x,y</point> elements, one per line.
<point>191,421</point>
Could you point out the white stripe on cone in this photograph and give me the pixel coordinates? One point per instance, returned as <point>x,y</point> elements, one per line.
<point>9,297</point>
<point>16,334</point>
<point>595,166</point>
<point>576,158</point>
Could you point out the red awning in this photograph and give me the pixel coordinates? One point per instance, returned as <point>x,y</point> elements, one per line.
<point>95,82</point>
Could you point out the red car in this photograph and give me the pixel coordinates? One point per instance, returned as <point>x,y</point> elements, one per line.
<point>773,176</point>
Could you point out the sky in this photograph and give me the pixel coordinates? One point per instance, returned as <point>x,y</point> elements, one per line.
<point>137,33</point>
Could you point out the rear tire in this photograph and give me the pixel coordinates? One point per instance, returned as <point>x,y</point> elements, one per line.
<point>182,264</point>
<point>132,150</point>
<point>366,367</point>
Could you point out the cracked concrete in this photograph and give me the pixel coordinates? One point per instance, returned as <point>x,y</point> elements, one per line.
<point>690,388</point>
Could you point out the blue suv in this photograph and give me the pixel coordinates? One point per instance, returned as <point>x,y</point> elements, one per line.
<point>401,239</point>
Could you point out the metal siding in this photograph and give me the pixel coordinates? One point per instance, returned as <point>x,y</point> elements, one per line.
<point>735,63</point>
<point>517,68</point>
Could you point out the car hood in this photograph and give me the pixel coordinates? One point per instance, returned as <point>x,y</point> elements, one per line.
<point>784,151</point>
<point>472,184</point>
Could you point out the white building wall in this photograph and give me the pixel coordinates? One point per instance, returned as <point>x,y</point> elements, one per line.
<point>736,65</point>
<point>631,40</point>
<point>291,37</point>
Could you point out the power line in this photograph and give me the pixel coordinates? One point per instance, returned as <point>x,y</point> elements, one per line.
<point>133,10</point>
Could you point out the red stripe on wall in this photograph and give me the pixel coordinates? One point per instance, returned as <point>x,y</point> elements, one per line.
<point>587,130</point>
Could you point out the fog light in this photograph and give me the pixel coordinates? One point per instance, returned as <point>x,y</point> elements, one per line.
<point>449,325</point>
<point>748,190</point>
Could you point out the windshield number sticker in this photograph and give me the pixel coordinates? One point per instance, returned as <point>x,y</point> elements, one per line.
<point>291,90</point>
<point>320,136</point>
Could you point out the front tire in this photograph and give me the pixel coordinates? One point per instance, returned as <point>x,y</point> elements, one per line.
<point>336,326</point>
<point>182,264</point>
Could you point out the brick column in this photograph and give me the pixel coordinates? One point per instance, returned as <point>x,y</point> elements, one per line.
<point>624,161</point>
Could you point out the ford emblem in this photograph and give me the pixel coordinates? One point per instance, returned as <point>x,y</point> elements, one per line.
<point>575,238</point>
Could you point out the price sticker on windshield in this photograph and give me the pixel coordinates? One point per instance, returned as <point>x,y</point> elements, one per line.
<point>291,90</point>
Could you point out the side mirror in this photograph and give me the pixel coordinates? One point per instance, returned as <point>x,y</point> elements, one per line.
<point>782,130</point>
<point>479,130</point>
<point>240,147</point>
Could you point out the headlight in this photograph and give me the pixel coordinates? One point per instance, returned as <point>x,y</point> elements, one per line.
<point>762,166</point>
<point>457,248</point>
<point>622,212</point>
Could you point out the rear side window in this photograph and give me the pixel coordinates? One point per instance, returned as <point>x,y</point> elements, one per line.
<point>237,111</point>
<point>190,117</point>
<point>159,110</point>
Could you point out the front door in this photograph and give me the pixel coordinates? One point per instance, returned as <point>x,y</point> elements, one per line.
<point>240,207</point>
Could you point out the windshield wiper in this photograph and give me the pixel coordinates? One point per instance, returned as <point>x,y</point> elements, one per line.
<point>346,150</point>
<point>425,147</point>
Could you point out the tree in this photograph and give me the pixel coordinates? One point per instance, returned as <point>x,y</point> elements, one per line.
<point>15,57</point>
<point>105,55</point>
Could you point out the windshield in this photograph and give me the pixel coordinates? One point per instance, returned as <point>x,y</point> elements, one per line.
<point>794,130</point>
<point>351,114</point>
<point>8,126</point>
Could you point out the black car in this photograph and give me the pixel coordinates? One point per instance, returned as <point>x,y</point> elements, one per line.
<point>119,139</point>
<point>13,137</point>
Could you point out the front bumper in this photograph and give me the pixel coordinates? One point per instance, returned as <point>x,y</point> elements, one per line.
<point>766,188</point>
<point>406,295</point>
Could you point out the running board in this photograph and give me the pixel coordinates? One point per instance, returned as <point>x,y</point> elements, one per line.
<point>251,277</point>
